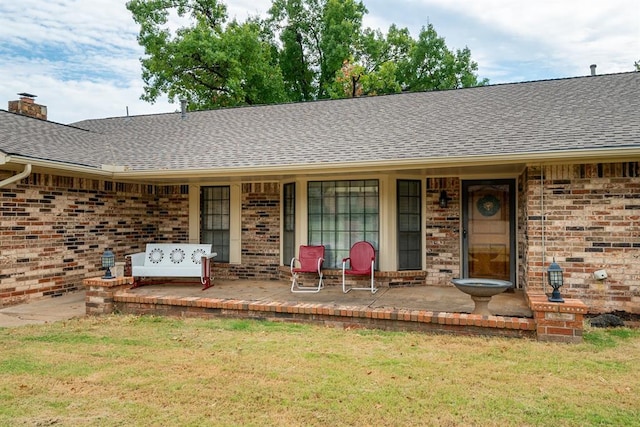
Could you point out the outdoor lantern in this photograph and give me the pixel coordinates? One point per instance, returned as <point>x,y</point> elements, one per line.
<point>554,275</point>
<point>444,199</point>
<point>108,261</point>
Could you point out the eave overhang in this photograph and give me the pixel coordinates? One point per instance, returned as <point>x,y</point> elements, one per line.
<point>428,166</point>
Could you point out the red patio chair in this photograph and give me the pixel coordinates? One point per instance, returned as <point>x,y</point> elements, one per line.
<point>310,259</point>
<point>362,258</point>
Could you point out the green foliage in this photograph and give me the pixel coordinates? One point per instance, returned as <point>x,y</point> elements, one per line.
<point>430,65</point>
<point>207,62</point>
<point>303,50</point>
<point>316,37</point>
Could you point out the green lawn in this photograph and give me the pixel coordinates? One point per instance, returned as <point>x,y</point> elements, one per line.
<point>126,370</point>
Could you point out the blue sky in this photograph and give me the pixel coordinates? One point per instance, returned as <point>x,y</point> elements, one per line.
<point>81,58</point>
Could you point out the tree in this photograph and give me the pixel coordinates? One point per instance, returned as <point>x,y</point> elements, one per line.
<point>353,80</point>
<point>208,63</point>
<point>430,65</point>
<point>304,50</point>
<point>316,36</point>
<point>398,62</point>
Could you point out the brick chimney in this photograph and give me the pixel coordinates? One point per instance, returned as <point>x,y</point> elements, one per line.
<point>27,106</point>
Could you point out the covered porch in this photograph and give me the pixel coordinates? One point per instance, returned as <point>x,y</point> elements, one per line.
<point>433,309</point>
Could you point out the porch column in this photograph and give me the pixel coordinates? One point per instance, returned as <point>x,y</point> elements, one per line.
<point>558,322</point>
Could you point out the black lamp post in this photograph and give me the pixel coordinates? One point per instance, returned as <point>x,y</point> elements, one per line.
<point>108,261</point>
<point>554,275</point>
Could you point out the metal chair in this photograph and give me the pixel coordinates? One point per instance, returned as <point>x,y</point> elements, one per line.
<point>310,259</point>
<point>362,258</point>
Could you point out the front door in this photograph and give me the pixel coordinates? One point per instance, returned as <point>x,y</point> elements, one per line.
<point>488,221</point>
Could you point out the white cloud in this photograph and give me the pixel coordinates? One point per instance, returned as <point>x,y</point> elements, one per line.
<point>82,58</point>
<point>564,35</point>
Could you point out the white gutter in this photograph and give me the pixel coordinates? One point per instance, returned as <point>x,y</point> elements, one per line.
<point>546,157</point>
<point>104,171</point>
<point>118,172</point>
<point>25,173</point>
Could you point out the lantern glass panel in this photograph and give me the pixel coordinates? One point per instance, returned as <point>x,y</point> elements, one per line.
<point>108,259</point>
<point>555,278</point>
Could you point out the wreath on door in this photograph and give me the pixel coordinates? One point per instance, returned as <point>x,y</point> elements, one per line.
<point>488,205</point>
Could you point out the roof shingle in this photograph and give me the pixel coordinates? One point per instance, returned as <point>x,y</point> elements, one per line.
<point>552,115</point>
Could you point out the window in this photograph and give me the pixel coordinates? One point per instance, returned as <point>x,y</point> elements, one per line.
<point>214,220</point>
<point>409,227</point>
<point>341,213</point>
<point>289,223</point>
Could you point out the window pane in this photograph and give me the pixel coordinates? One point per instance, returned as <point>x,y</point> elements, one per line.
<point>357,204</point>
<point>371,222</point>
<point>342,222</point>
<point>342,204</point>
<point>315,222</point>
<point>328,222</point>
<point>315,238</point>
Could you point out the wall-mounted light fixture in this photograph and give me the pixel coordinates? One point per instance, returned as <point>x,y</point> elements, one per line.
<point>443,201</point>
<point>108,261</point>
<point>555,278</point>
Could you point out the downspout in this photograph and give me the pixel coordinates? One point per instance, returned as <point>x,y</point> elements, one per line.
<point>25,173</point>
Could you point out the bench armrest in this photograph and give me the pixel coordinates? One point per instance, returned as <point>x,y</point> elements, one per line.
<point>137,258</point>
<point>211,255</point>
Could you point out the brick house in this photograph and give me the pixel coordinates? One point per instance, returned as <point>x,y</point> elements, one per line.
<point>492,181</point>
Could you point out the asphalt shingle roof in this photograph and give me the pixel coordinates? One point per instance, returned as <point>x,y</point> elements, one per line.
<point>552,115</point>
<point>44,140</point>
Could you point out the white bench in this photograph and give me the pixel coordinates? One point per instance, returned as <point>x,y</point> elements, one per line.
<point>173,260</point>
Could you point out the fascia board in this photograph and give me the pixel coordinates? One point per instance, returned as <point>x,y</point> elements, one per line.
<point>118,172</point>
<point>573,156</point>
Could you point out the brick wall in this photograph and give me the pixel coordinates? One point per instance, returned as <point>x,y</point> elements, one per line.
<point>587,217</point>
<point>54,229</point>
<point>442,236</point>
<point>260,232</point>
<point>521,229</point>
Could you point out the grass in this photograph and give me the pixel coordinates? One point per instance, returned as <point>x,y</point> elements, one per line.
<point>127,370</point>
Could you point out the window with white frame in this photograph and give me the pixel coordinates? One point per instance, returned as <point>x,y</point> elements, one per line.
<point>215,220</point>
<point>289,222</point>
<point>409,227</point>
<point>341,213</point>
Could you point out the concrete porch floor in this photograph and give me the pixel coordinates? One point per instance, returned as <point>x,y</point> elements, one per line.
<point>425,298</point>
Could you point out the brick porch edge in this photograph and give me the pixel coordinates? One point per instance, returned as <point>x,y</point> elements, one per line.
<point>556,322</point>
<point>105,296</point>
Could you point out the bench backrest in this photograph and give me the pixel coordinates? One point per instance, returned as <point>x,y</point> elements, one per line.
<point>175,254</point>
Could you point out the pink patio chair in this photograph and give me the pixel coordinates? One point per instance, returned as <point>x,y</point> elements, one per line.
<point>310,259</point>
<point>362,258</point>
